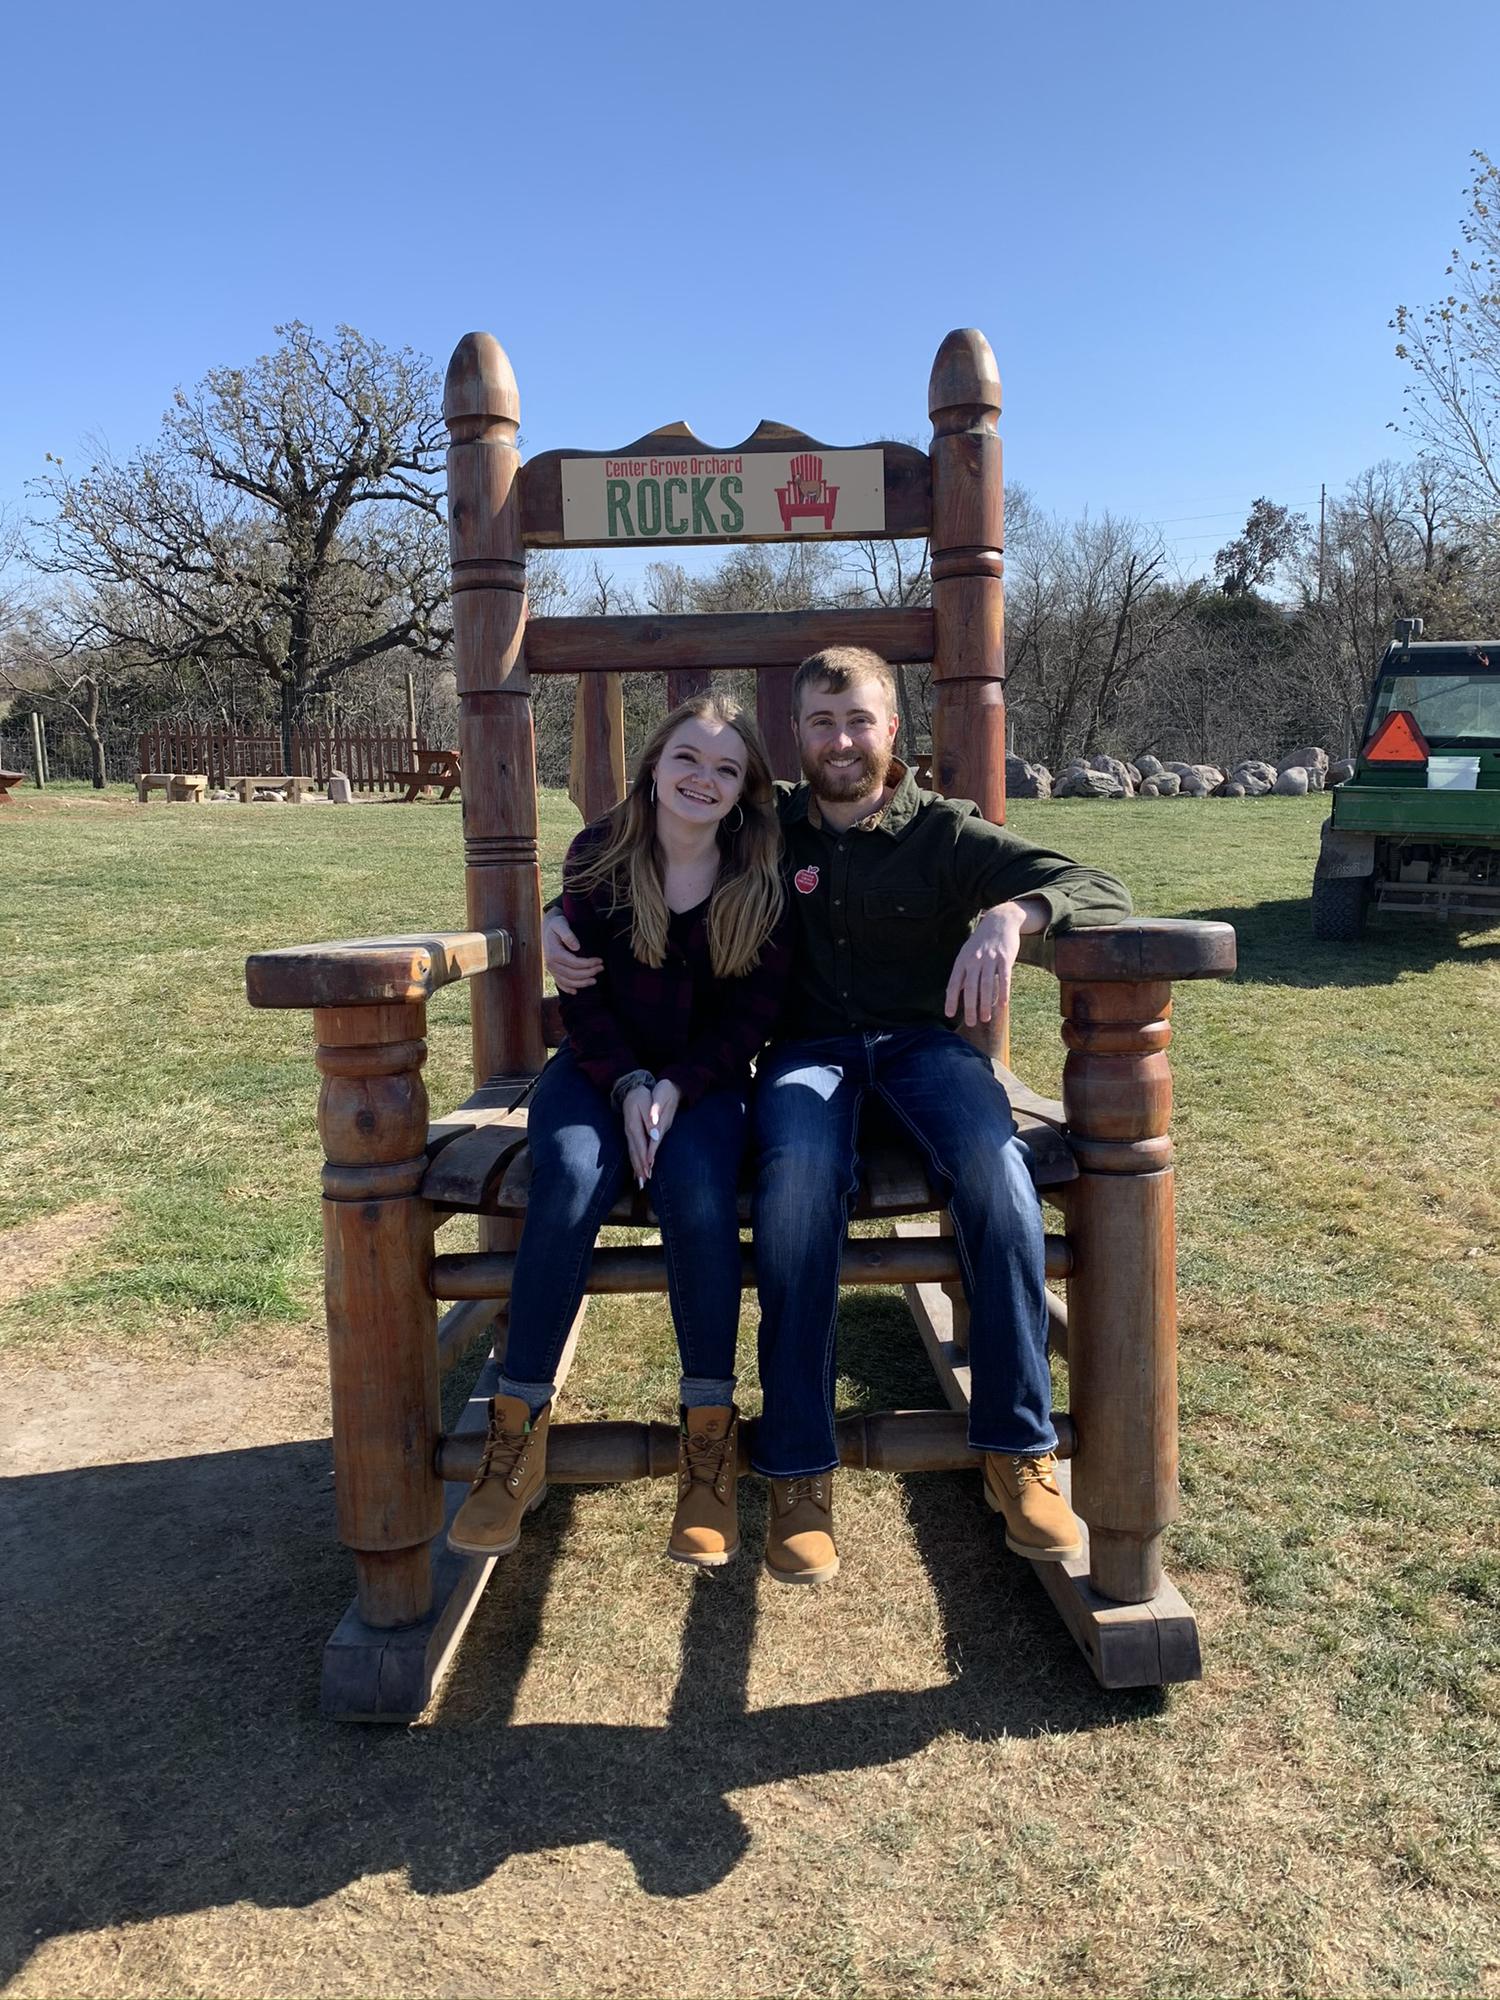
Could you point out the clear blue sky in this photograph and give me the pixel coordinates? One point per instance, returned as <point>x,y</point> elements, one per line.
<point>1183,227</point>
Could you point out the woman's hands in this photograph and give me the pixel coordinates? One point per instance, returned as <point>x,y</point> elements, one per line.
<point>648,1116</point>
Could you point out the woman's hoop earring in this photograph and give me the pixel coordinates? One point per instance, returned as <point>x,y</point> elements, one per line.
<point>741,811</point>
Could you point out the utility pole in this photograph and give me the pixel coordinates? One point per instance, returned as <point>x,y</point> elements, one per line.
<point>1322,534</point>
<point>38,751</point>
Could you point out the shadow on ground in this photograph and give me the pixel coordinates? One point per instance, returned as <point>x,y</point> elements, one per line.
<point>1277,947</point>
<point>163,1752</point>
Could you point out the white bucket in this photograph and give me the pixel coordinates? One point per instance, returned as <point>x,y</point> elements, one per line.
<point>1452,774</point>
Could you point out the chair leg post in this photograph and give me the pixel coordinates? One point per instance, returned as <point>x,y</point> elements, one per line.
<point>1122,1310</point>
<point>382,1319</point>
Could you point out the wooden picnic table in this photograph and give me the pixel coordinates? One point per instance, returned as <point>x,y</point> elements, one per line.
<point>181,787</point>
<point>433,767</point>
<point>295,785</point>
<point>8,780</point>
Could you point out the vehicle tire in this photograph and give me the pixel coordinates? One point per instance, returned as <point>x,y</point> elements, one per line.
<point>1340,904</point>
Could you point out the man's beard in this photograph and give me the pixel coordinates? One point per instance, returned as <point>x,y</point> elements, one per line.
<point>864,780</point>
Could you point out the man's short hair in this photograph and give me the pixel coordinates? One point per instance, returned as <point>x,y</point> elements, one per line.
<point>837,668</point>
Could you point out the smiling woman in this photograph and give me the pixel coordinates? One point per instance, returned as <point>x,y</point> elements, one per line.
<point>676,897</point>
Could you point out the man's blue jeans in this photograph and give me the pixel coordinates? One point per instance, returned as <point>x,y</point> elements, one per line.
<point>943,1091</point>
<point>578,1168</point>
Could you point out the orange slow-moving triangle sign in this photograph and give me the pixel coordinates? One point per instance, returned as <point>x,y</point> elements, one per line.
<point>1397,741</point>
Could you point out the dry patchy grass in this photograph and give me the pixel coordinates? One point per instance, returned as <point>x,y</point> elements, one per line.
<point>638,1781</point>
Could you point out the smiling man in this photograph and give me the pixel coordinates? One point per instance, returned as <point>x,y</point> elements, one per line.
<point>908,911</point>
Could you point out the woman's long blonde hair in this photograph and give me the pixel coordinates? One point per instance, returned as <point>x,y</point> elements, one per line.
<point>748,896</point>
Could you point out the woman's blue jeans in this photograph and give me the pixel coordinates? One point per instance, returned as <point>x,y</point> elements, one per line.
<point>578,1167</point>
<point>943,1091</point>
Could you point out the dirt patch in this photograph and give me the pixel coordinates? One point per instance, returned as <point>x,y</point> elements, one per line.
<point>108,1412</point>
<point>35,1253</point>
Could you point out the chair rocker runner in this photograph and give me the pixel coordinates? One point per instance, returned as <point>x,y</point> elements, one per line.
<point>392,1177</point>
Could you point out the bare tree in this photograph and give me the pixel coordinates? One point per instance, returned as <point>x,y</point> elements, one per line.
<point>1453,350</point>
<point>288,521</point>
<point>1090,607</point>
<point>1399,545</point>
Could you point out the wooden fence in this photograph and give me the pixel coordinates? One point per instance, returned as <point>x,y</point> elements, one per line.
<point>366,758</point>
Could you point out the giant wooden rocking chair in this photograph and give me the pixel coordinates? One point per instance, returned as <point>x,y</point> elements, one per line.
<point>1102,1156</point>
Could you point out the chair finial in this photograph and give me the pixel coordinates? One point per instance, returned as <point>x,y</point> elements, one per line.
<point>964,373</point>
<point>480,387</point>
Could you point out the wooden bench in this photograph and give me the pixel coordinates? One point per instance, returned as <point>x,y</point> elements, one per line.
<point>294,788</point>
<point>433,767</point>
<point>8,782</point>
<point>181,787</point>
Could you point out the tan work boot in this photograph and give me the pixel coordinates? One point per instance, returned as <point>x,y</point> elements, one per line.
<point>512,1476</point>
<point>1039,1523</point>
<point>706,1525</point>
<point>799,1535</point>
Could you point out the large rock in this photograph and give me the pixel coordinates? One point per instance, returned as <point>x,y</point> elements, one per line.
<point>1208,774</point>
<point>1307,757</point>
<point>1292,783</point>
<point>1255,767</point>
<point>1149,766</point>
<point>1255,776</point>
<point>1340,772</point>
<point>1230,789</point>
<point>1113,767</point>
<point>1165,785</point>
<point>1027,781</point>
<point>1087,784</point>
<point>1194,785</point>
<point>340,791</point>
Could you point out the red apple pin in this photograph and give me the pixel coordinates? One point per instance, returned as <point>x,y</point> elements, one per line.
<point>806,880</point>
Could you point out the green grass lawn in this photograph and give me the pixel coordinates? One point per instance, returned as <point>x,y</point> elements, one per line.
<point>1318,1815</point>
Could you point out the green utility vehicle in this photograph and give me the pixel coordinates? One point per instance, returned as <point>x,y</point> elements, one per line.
<point>1417,827</point>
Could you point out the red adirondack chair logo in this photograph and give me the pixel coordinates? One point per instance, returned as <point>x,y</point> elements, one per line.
<point>807,493</point>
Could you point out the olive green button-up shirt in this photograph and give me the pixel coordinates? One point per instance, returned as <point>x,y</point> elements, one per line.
<point>882,909</point>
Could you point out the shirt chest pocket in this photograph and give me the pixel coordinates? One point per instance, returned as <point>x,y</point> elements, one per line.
<point>899,906</point>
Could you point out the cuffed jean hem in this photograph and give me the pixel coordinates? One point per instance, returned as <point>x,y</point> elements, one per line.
<point>705,1392</point>
<point>803,1472</point>
<point>1031,1449</point>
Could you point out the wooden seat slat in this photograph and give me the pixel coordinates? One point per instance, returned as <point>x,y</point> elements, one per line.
<point>481,1165</point>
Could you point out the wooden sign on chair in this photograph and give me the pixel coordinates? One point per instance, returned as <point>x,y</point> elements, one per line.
<point>669,487</point>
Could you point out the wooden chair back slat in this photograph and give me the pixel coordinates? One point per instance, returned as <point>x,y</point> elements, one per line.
<point>722,642</point>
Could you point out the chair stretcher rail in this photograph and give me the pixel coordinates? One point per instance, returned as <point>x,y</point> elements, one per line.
<point>868,1260</point>
<point>607,1454</point>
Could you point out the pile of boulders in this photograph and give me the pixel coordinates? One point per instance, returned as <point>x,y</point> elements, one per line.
<point>1304,769</point>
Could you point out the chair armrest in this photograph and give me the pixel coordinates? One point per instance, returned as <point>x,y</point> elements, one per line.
<point>370,972</point>
<point>1168,948</point>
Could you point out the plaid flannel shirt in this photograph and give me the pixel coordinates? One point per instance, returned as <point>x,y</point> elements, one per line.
<point>676,1019</point>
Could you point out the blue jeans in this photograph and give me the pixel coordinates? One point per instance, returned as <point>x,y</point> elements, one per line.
<point>945,1094</point>
<point>578,1168</point>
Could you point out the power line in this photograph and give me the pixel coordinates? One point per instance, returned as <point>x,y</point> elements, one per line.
<point>1228,514</point>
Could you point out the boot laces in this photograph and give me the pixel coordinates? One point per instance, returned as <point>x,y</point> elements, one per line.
<point>807,1486</point>
<point>707,1457</point>
<point>503,1453</point>
<point>1040,1470</point>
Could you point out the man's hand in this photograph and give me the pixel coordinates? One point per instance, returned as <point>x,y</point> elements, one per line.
<point>562,958</point>
<point>980,979</point>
